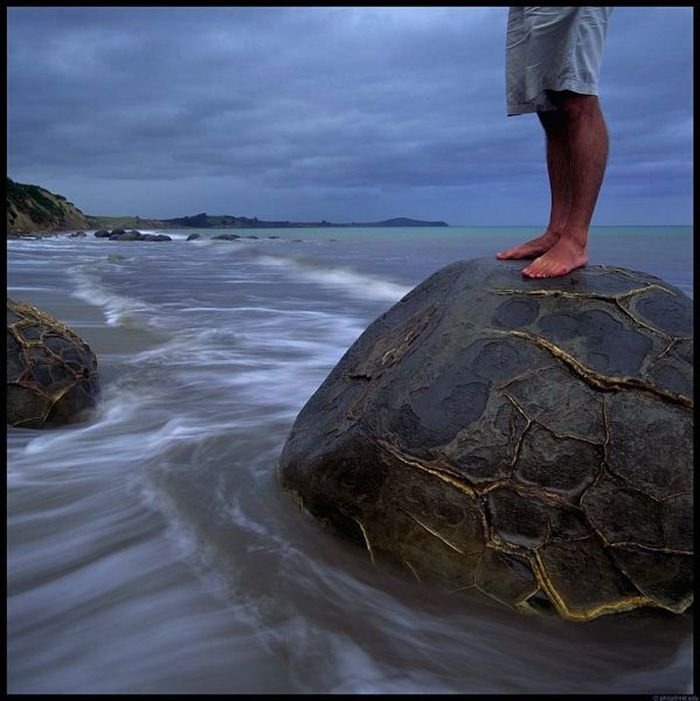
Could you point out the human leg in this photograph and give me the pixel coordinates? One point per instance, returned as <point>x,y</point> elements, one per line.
<point>553,60</point>
<point>587,147</point>
<point>558,171</point>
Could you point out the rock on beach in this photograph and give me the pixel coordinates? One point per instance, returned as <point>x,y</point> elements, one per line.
<point>530,441</point>
<point>131,235</point>
<point>52,376</point>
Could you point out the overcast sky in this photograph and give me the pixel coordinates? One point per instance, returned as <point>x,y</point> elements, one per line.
<point>336,113</point>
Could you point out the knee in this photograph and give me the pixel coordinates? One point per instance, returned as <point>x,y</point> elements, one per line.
<point>575,107</point>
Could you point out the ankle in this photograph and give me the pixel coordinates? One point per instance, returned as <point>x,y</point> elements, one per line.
<point>575,239</point>
<point>553,234</point>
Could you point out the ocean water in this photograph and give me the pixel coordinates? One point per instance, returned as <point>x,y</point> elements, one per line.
<point>150,550</point>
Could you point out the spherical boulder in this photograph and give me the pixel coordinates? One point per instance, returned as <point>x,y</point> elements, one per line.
<point>125,235</point>
<point>155,237</point>
<point>51,372</point>
<point>531,440</point>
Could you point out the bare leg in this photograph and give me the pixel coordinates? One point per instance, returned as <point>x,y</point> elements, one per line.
<point>588,151</point>
<point>558,170</point>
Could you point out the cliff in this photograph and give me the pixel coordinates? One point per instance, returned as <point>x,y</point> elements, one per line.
<point>31,208</point>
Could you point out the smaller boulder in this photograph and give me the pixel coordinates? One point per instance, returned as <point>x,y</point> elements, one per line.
<point>155,237</point>
<point>227,237</point>
<point>51,372</point>
<point>127,236</point>
<point>102,234</point>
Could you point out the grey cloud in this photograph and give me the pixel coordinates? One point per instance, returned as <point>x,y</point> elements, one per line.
<point>329,100</point>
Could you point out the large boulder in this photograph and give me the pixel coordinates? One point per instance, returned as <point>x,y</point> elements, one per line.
<point>52,374</point>
<point>527,439</point>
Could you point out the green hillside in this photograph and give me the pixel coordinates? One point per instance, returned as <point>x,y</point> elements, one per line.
<point>31,208</point>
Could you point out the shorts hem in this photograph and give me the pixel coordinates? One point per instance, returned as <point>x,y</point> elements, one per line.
<point>542,103</point>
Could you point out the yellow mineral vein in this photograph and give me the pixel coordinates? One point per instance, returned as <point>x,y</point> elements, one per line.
<point>412,568</point>
<point>604,382</point>
<point>624,544</point>
<point>440,474</point>
<point>617,299</point>
<point>366,537</point>
<point>433,532</point>
<point>588,614</point>
<point>580,295</point>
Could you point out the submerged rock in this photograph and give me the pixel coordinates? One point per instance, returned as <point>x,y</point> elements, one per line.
<point>527,439</point>
<point>51,372</point>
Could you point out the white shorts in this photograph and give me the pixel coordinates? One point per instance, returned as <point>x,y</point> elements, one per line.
<point>552,48</point>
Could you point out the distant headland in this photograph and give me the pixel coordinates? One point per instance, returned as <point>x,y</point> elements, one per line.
<point>226,221</point>
<point>33,209</point>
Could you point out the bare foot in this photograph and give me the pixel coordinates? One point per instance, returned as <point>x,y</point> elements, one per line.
<point>563,257</point>
<point>530,249</point>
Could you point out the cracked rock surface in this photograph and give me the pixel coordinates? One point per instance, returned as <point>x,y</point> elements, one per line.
<point>527,439</point>
<point>51,372</point>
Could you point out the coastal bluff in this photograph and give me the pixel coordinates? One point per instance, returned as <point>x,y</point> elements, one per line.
<point>530,441</point>
<point>31,208</point>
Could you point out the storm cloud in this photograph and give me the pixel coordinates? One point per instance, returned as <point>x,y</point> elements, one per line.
<point>311,113</point>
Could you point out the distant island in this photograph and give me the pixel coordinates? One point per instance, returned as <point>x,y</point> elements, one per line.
<point>33,209</point>
<point>227,221</point>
